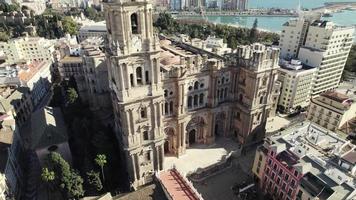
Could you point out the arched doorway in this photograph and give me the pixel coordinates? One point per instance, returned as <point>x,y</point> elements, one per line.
<point>166,147</point>
<point>219,128</point>
<point>195,131</point>
<point>169,142</point>
<point>192,137</point>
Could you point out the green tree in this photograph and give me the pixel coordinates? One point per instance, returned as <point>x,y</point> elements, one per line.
<point>48,177</point>
<point>70,26</point>
<point>94,180</point>
<point>72,95</point>
<point>4,36</point>
<point>68,180</point>
<point>254,32</point>
<point>101,161</point>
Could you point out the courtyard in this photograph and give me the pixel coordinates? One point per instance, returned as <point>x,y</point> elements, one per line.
<point>219,186</point>
<point>200,156</point>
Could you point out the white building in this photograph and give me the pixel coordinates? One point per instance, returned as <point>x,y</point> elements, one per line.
<point>35,76</point>
<point>96,29</point>
<point>326,48</point>
<point>211,44</point>
<point>28,49</point>
<point>294,33</point>
<point>297,82</point>
<point>319,44</point>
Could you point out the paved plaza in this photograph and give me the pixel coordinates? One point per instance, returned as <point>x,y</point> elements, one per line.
<point>219,186</point>
<point>201,156</point>
<point>277,122</point>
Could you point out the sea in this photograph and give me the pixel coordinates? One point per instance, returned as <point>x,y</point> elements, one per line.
<point>274,24</point>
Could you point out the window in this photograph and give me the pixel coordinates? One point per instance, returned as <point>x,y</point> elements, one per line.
<point>131,80</point>
<point>139,75</point>
<point>261,99</point>
<point>166,108</point>
<point>147,77</point>
<point>196,85</point>
<point>134,24</point>
<point>296,173</point>
<point>171,107</point>
<point>196,100</point>
<point>143,113</point>
<point>201,99</point>
<point>190,99</point>
<point>145,135</point>
<point>148,155</point>
<point>286,177</point>
<point>292,183</point>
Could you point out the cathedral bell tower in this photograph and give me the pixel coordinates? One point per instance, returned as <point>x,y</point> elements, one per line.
<point>134,74</point>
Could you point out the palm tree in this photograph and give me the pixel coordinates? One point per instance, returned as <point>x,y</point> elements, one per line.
<point>48,177</point>
<point>101,161</point>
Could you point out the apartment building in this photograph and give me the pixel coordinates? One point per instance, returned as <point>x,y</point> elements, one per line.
<point>70,66</point>
<point>294,33</point>
<point>306,162</point>
<point>332,110</point>
<point>24,49</point>
<point>211,44</point>
<point>18,101</point>
<point>297,82</point>
<point>11,157</point>
<point>35,76</point>
<point>319,44</point>
<point>326,48</point>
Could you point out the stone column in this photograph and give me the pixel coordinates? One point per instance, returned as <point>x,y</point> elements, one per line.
<point>137,161</point>
<point>134,78</point>
<point>127,79</point>
<point>120,77</point>
<point>161,157</point>
<point>133,162</point>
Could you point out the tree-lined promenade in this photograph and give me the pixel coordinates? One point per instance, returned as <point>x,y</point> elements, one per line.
<point>233,36</point>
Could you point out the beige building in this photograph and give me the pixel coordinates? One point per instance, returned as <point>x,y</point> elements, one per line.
<point>332,110</point>
<point>28,49</point>
<point>319,44</point>
<point>326,48</point>
<point>70,66</point>
<point>168,95</point>
<point>294,33</point>
<point>17,101</point>
<point>297,83</point>
<point>95,72</point>
<point>92,29</point>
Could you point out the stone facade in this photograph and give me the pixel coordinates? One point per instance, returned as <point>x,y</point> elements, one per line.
<point>169,95</point>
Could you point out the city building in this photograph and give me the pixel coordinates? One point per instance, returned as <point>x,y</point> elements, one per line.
<point>96,74</point>
<point>169,95</point>
<point>327,47</point>
<point>305,162</point>
<point>35,76</point>
<point>11,157</point>
<point>19,50</point>
<point>92,29</point>
<point>297,83</point>
<point>242,5</point>
<point>211,44</point>
<point>18,101</point>
<point>48,133</point>
<point>319,44</point>
<point>332,110</point>
<point>294,33</point>
<point>70,66</point>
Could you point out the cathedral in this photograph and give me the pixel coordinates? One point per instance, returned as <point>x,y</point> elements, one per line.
<point>168,95</point>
